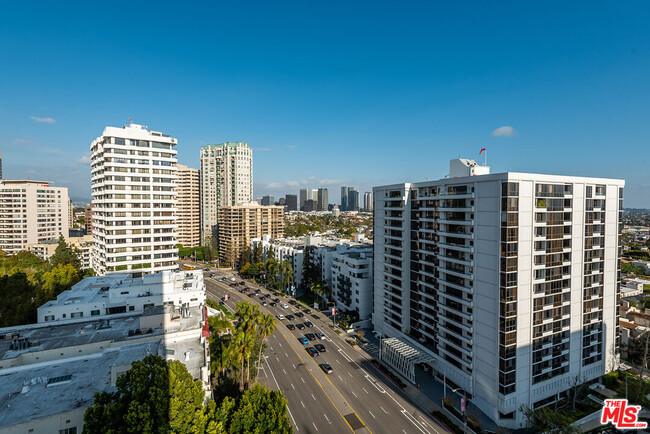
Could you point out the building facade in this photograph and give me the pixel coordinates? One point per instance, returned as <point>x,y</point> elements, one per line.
<point>133,175</point>
<point>31,212</point>
<point>88,219</point>
<point>344,198</point>
<point>242,223</point>
<point>353,200</point>
<point>291,202</point>
<point>83,245</point>
<point>226,180</point>
<point>188,203</point>
<point>367,201</point>
<point>352,281</point>
<point>507,282</point>
<point>322,201</point>
<point>268,200</point>
<point>303,199</point>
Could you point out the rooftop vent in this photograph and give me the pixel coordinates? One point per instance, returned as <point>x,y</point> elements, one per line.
<point>59,380</point>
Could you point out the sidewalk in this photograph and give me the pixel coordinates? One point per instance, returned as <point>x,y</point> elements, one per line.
<point>429,395</point>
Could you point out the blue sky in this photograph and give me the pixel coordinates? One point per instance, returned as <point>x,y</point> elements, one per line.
<point>356,93</point>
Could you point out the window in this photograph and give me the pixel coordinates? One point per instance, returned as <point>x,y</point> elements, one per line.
<point>49,318</point>
<point>72,430</point>
<point>94,312</point>
<point>131,308</point>
<point>76,314</point>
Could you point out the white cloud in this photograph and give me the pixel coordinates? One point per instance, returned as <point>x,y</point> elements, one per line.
<point>262,149</point>
<point>43,120</point>
<point>85,159</point>
<point>504,132</point>
<point>332,181</point>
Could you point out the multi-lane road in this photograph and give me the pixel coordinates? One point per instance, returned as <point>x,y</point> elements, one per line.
<point>354,397</point>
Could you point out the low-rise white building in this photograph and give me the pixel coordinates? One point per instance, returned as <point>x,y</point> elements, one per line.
<point>352,281</point>
<point>83,244</point>
<point>116,294</point>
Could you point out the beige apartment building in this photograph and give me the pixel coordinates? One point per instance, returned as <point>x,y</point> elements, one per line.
<point>240,224</point>
<point>189,217</point>
<point>88,219</point>
<point>31,212</point>
<point>46,249</point>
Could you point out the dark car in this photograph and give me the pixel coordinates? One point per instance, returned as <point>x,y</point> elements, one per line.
<point>300,326</point>
<point>290,317</point>
<point>233,284</point>
<point>242,283</point>
<point>258,290</point>
<point>309,324</point>
<point>247,289</point>
<point>310,336</point>
<point>306,310</point>
<point>241,291</point>
<point>277,300</point>
<point>326,368</point>
<point>272,304</point>
<point>320,348</point>
<point>312,351</point>
<point>291,326</point>
<point>300,314</point>
<point>292,301</point>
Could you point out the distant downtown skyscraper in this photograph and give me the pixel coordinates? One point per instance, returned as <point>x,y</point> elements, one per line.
<point>268,200</point>
<point>291,202</point>
<point>367,201</point>
<point>353,199</point>
<point>322,200</point>
<point>133,179</point>
<point>226,179</point>
<point>303,198</point>
<point>344,198</point>
<point>189,206</point>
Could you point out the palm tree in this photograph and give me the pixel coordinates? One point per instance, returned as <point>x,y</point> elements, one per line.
<point>248,352</point>
<point>240,342</point>
<point>286,272</point>
<point>265,327</point>
<point>272,271</point>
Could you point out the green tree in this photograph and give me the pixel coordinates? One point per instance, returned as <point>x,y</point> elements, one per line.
<point>65,255</point>
<point>260,411</point>
<point>548,421</point>
<point>17,300</point>
<point>265,327</point>
<point>258,253</point>
<point>245,256</point>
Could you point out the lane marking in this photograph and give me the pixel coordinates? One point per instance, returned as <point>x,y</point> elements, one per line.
<point>383,409</point>
<point>328,419</point>
<point>339,377</point>
<point>303,404</point>
<point>286,354</point>
<point>312,395</point>
<point>315,426</point>
<point>285,372</point>
<point>364,389</point>
<point>288,409</point>
<point>276,358</point>
<point>415,422</point>
<point>303,380</point>
<point>371,414</point>
<point>292,386</point>
<point>337,361</point>
<point>355,395</point>
<point>350,375</point>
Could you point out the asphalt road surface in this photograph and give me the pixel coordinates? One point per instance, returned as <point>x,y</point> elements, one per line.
<point>356,396</point>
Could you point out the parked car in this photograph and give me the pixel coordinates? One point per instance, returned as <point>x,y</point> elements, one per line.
<point>310,336</point>
<point>309,324</point>
<point>326,368</point>
<point>320,348</point>
<point>285,306</point>
<point>303,340</point>
<point>300,314</point>
<point>312,351</point>
<point>300,326</point>
<point>290,317</point>
<point>292,302</point>
<point>320,335</point>
<point>291,326</point>
<point>280,317</point>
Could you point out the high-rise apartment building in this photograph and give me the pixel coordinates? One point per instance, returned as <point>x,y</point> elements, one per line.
<point>314,195</point>
<point>226,179</point>
<point>188,204</point>
<point>353,200</point>
<point>133,175</point>
<point>367,201</point>
<point>291,202</point>
<point>303,198</point>
<point>240,224</point>
<point>31,212</point>
<point>0,165</point>
<point>322,201</point>
<point>505,284</point>
<point>88,219</point>
<point>70,214</point>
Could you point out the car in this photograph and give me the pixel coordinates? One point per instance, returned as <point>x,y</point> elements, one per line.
<point>300,326</point>
<point>306,310</point>
<point>247,289</point>
<point>320,335</point>
<point>303,340</point>
<point>233,284</point>
<point>310,336</point>
<point>263,303</point>
<point>309,324</point>
<point>291,326</point>
<point>258,290</point>
<point>277,300</point>
<point>320,348</point>
<point>272,304</point>
<point>241,291</point>
<point>280,317</point>
<point>242,283</point>
<point>326,368</point>
<point>292,302</point>
<point>300,314</point>
<point>285,306</point>
<point>290,316</point>
<point>312,351</point>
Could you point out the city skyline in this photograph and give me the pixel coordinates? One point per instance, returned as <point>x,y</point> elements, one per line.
<point>530,86</point>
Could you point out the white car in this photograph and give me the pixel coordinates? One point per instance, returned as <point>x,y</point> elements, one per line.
<point>280,317</point>
<point>285,306</point>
